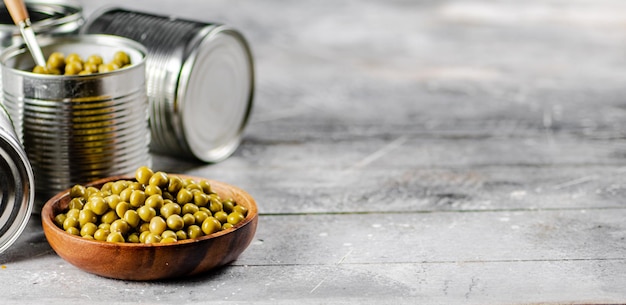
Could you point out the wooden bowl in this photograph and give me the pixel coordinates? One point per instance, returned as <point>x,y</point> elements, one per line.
<point>128,261</point>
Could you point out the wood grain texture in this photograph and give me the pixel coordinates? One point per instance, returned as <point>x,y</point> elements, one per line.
<point>404,152</point>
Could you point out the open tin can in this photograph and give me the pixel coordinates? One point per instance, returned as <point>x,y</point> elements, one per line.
<point>78,128</point>
<point>17,192</point>
<point>17,182</point>
<point>199,77</point>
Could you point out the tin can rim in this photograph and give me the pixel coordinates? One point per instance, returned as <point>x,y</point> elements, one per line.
<point>101,39</point>
<point>71,11</point>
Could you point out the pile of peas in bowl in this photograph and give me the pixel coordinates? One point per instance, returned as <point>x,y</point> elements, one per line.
<point>153,208</point>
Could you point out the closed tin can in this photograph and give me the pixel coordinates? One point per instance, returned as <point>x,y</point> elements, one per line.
<point>17,191</point>
<point>78,128</point>
<point>200,81</point>
<point>48,17</point>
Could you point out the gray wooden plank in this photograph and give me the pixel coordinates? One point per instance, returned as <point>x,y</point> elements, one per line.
<point>293,260</point>
<point>595,282</point>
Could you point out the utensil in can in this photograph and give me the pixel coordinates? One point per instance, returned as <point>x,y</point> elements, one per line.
<point>79,128</point>
<point>17,9</point>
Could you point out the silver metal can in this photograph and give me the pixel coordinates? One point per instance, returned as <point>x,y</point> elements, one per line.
<point>17,192</point>
<point>200,81</point>
<point>78,128</point>
<point>48,17</point>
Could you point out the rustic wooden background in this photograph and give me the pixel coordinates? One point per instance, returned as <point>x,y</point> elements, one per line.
<point>404,152</point>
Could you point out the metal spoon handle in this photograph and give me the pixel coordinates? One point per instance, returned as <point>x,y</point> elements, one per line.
<point>20,17</point>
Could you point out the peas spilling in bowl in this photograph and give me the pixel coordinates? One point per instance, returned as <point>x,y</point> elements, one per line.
<point>156,208</point>
<point>73,64</point>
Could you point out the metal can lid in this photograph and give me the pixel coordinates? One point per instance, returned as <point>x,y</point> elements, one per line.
<point>215,94</point>
<point>17,191</point>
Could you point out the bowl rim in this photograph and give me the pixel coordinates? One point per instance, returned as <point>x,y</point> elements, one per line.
<point>47,215</point>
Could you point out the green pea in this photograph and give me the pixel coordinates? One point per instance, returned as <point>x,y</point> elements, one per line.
<point>235,218</point>
<point>241,209</point>
<point>132,218</point>
<point>73,231</point>
<point>168,240</point>
<point>73,68</point>
<point>121,58</point>
<point>91,191</point>
<point>109,217</point>
<point>101,234</point>
<point>211,225</point>
<point>121,208</point>
<point>106,187</point>
<point>175,222</point>
<point>206,187</point>
<point>221,216</point>
<point>77,203</point>
<point>73,57</point>
<point>154,201</point>
<point>133,238</point>
<point>143,235</point>
<point>200,199</point>
<point>152,238</point>
<point>59,219</point>
<point>168,234</point>
<point>175,184</point>
<point>73,213</point>
<point>145,226</point>
<point>151,189</point>
<point>70,222</point>
<point>181,234</point>
<point>170,209</point>
<point>184,196</point>
<point>94,59</point>
<point>137,198</point>
<point>115,237</point>
<point>87,216</point>
<point>98,205</point>
<point>159,179</point>
<point>215,206</point>
<point>200,216</point>
<point>120,226</point>
<point>189,208</point>
<point>88,229</point>
<point>112,200</point>
<point>206,210</point>
<point>146,213</point>
<point>228,206</point>
<point>56,60</point>
<point>157,225</point>
<point>194,231</point>
<point>193,186</point>
<point>188,219</point>
<point>125,194</point>
<point>118,186</point>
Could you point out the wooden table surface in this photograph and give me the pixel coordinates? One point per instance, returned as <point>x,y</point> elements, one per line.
<point>405,152</point>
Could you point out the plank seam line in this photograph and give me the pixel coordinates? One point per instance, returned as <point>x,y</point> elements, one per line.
<point>614,259</point>
<point>531,210</point>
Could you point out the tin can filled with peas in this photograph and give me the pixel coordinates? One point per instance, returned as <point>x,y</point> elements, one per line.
<point>78,124</point>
